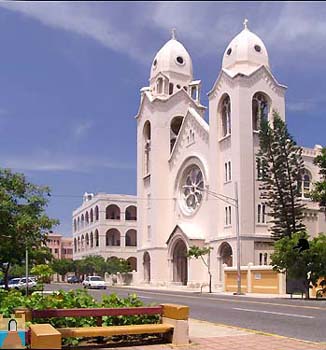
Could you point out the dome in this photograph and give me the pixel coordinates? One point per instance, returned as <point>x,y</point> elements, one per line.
<point>245,53</point>
<point>172,58</point>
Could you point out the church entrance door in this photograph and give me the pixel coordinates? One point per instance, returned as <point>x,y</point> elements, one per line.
<point>180,263</point>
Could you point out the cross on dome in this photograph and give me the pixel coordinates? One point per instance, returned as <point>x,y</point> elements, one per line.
<point>173,33</point>
<point>245,23</point>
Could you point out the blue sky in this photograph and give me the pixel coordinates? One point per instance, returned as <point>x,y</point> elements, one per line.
<point>71,74</point>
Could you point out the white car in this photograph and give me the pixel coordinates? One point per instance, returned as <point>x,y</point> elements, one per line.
<point>20,283</point>
<point>94,282</point>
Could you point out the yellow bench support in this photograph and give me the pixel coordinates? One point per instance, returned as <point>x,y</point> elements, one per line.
<point>44,336</point>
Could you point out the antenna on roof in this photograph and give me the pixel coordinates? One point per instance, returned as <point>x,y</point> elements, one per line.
<point>245,23</point>
<point>173,33</point>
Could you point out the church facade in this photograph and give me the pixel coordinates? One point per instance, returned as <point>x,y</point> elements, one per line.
<point>197,182</point>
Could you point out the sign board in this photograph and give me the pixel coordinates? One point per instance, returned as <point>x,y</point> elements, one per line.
<point>12,332</point>
<point>257,276</point>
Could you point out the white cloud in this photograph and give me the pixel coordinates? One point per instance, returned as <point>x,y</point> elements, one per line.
<point>206,27</point>
<point>49,162</point>
<point>82,18</point>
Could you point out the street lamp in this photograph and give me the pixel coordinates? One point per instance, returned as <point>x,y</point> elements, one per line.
<point>235,203</point>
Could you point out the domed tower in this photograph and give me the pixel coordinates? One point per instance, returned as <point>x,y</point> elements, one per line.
<point>171,69</point>
<point>244,93</point>
<point>163,107</point>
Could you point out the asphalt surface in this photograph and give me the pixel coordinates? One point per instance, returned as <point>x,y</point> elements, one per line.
<point>296,318</point>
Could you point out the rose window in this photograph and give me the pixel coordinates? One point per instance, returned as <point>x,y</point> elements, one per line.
<point>192,188</point>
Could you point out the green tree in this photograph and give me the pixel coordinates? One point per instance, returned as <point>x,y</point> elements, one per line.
<point>62,267</point>
<point>279,163</point>
<point>115,265</point>
<point>197,252</point>
<point>43,272</point>
<point>23,222</point>
<point>308,264</point>
<point>318,194</point>
<point>95,264</point>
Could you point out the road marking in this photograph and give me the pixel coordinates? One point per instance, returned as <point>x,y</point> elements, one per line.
<point>273,312</point>
<point>156,293</point>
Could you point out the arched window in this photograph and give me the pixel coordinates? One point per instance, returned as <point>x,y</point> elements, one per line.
<point>82,221</point>
<point>175,126</point>
<point>91,215</point>
<point>87,218</point>
<point>159,85</point>
<point>92,242</point>
<point>112,237</point>
<point>112,212</point>
<point>96,213</point>
<point>75,245</point>
<point>131,213</point>
<point>304,183</point>
<point>170,89</point>
<point>82,242</point>
<point>226,115</point>
<point>131,238</point>
<point>260,109</point>
<point>79,244</point>
<point>147,147</point>
<point>96,239</point>
<point>87,241</point>
<point>78,223</point>
<point>75,225</point>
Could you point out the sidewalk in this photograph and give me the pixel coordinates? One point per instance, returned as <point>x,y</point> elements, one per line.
<point>209,336</point>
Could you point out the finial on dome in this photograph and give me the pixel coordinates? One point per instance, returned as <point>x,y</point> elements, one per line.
<point>245,23</point>
<point>173,32</point>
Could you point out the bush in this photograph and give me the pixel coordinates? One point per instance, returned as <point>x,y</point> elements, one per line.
<point>10,300</point>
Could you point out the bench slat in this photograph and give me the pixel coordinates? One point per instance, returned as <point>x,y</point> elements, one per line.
<point>128,311</point>
<point>115,330</point>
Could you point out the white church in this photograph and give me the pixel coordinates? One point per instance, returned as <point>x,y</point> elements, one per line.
<point>197,182</point>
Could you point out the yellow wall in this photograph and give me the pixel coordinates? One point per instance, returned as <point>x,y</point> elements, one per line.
<point>231,284</point>
<point>254,281</point>
<point>265,282</point>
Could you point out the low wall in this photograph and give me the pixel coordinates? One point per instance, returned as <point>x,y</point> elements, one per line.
<point>255,279</point>
<point>125,279</point>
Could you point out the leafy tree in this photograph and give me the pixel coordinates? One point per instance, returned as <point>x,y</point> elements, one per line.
<point>279,163</point>
<point>39,256</point>
<point>318,194</point>
<point>43,272</point>
<point>62,267</point>
<point>308,264</point>
<point>95,264</point>
<point>197,252</point>
<point>23,222</point>
<point>115,265</point>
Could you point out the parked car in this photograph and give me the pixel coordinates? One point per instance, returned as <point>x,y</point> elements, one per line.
<point>73,279</point>
<point>94,282</point>
<point>20,283</point>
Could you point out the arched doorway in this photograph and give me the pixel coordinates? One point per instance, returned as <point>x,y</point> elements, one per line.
<point>147,267</point>
<point>226,254</point>
<point>180,263</point>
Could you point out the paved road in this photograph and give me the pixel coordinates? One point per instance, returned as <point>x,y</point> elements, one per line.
<point>295,318</point>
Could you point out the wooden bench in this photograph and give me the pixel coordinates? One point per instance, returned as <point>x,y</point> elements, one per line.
<point>173,324</point>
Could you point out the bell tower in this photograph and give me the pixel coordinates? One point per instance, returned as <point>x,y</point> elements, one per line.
<point>244,92</point>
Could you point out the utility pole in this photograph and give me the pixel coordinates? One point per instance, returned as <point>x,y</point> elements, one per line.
<point>26,263</point>
<point>235,203</point>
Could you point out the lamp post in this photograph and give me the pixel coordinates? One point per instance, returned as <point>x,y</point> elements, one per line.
<point>235,203</point>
